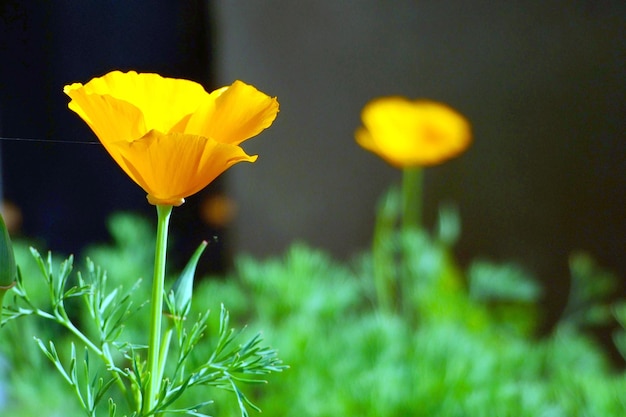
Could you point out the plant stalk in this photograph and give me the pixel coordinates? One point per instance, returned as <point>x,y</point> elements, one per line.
<point>156,310</point>
<point>383,250</point>
<point>412,178</point>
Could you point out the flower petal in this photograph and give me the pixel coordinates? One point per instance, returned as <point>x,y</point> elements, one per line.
<point>170,167</point>
<point>233,114</point>
<point>111,119</point>
<point>163,101</point>
<point>365,140</point>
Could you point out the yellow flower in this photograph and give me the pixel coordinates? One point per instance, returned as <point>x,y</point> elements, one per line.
<point>169,135</point>
<point>409,133</point>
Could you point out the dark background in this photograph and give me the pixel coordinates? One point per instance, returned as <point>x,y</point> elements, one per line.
<point>66,191</point>
<point>541,81</point>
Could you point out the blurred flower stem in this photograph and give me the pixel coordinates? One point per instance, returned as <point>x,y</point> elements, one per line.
<point>411,198</point>
<point>383,250</point>
<point>156,309</point>
<point>393,281</point>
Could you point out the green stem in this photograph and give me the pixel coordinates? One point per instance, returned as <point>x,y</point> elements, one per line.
<point>156,309</point>
<point>165,348</point>
<point>383,250</point>
<point>412,198</point>
<point>411,222</point>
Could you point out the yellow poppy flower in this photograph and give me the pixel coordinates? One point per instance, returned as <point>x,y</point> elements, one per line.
<point>409,133</point>
<point>169,135</point>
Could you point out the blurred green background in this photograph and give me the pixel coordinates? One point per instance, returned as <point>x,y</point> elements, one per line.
<point>466,346</point>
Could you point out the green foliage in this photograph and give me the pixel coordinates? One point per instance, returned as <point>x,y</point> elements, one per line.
<point>131,254</point>
<point>509,292</point>
<point>489,282</point>
<point>590,292</point>
<point>467,345</point>
<point>465,355</point>
<point>619,311</point>
<point>99,364</point>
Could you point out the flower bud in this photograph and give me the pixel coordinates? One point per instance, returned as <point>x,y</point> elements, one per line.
<point>181,292</point>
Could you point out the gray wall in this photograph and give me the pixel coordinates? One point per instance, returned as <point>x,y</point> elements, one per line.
<point>541,81</point>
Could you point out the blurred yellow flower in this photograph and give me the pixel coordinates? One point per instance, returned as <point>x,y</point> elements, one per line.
<point>409,133</point>
<point>169,135</point>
